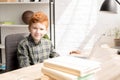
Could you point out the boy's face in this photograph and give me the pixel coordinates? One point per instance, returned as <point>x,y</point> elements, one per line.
<point>37,31</point>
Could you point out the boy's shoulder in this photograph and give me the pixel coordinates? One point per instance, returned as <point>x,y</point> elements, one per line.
<point>46,40</point>
<point>24,41</point>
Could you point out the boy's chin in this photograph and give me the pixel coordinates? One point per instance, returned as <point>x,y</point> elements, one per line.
<point>37,38</point>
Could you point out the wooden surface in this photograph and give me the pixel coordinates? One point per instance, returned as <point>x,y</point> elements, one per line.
<point>110,63</point>
<point>27,73</point>
<point>110,68</point>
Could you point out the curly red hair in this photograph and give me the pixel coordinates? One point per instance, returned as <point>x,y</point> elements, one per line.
<point>39,17</point>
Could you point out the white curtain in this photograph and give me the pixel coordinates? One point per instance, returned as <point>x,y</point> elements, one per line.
<point>75,25</point>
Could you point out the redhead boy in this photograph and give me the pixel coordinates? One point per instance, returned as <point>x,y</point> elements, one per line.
<point>34,48</point>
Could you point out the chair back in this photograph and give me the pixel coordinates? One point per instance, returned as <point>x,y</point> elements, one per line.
<point>11,42</point>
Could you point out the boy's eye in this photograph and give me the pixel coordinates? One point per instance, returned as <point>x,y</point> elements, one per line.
<point>34,28</point>
<point>41,29</point>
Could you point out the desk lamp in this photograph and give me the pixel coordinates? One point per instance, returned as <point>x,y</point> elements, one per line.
<point>110,5</point>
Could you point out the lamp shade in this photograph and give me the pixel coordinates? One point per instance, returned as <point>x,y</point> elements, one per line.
<point>109,5</point>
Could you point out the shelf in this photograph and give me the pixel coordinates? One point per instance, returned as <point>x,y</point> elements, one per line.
<point>3,25</point>
<point>2,46</point>
<point>12,11</point>
<point>42,2</point>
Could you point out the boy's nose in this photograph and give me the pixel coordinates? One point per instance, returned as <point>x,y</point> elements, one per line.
<point>38,31</point>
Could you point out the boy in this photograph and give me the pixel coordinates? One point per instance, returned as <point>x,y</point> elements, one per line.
<point>34,48</point>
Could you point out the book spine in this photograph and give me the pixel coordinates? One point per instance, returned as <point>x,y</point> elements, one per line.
<point>62,68</point>
<point>58,75</point>
<point>55,75</point>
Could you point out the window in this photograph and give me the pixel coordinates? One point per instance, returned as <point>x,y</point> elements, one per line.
<point>74,27</point>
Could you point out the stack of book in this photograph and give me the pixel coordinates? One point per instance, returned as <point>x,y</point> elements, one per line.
<point>70,68</point>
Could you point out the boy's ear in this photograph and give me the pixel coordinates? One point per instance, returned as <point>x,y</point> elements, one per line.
<point>29,29</point>
<point>46,31</point>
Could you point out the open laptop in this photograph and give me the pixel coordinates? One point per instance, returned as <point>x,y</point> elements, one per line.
<point>88,53</point>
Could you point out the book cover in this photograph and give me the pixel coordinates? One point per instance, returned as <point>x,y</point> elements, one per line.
<point>58,75</point>
<point>72,65</point>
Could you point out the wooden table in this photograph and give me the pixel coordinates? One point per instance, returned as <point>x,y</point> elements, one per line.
<point>110,68</point>
<point>110,63</point>
<point>27,73</point>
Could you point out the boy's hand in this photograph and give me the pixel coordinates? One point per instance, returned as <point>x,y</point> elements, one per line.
<point>75,52</point>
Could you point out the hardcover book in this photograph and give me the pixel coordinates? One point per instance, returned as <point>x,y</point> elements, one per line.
<point>58,75</point>
<point>73,65</point>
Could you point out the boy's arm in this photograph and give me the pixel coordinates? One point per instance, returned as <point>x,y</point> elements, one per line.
<point>53,52</point>
<point>22,55</point>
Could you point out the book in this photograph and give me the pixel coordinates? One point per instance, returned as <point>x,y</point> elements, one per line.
<point>73,65</point>
<point>2,67</point>
<point>59,75</point>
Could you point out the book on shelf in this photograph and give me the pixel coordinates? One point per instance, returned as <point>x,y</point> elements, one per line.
<point>2,66</point>
<point>73,65</point>
<point>59,75</point>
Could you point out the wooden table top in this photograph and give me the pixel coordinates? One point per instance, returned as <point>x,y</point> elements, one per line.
<point>110,68</point>
<point>110,63</point>
<point>27,73</point>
